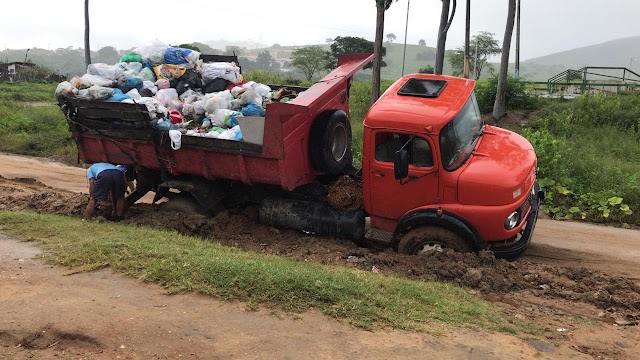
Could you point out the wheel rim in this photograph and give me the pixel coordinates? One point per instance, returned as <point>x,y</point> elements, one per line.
<point>428,247</point>
<point>339,144</point>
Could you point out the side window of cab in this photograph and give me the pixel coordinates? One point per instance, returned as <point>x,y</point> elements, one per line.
<point>419,149</point>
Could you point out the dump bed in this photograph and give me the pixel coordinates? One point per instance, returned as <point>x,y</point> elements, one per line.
<point>125,134</point>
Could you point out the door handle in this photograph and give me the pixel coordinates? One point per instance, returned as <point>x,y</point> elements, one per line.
<point>377,173</point>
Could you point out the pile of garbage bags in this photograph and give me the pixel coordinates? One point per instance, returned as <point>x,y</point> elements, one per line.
<point>180,91</point>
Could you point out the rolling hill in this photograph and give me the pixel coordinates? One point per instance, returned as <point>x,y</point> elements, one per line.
<point>612,53</point>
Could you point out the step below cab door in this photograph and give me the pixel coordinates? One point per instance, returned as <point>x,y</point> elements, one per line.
<point>390,198</point>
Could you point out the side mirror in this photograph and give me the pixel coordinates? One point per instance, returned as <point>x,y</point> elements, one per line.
<point>401,164</point>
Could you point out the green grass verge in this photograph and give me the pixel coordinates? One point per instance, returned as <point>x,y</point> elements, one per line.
<point>35,130</point>
<point>183,263</point>
<point>24,91</point>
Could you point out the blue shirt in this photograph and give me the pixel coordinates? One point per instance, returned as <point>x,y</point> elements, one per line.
<point>97,168</point>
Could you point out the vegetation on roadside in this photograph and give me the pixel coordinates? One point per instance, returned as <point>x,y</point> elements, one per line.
<point>26,91</point>
<point>183,263</point>
<point>589,158</point>
<point>33,129</point>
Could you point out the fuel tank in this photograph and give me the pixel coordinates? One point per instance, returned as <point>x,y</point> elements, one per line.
<point>319,218</point>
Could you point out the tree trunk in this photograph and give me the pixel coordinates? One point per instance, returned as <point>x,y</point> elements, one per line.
<point>442,33</point>
<point>467,35</point>
<point>442,37</point>
<point>377,52</point>
<point>87,48</point>
<point>499,105</point>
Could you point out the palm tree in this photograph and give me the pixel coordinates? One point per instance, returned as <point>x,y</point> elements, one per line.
<point>87,49</point>
<point>499,105</point>
<point>381,7</point>
<point>445,23</point>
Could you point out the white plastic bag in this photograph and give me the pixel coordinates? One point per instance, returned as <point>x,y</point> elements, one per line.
<point>228,71</point>
<point>65,88</point>
<point>111,72</point>
<point>232,134</point>
<point>198,107</point>
<point>96,80</point>
<point>250,95</point>
<point>262,90</point>
<point>100,92</point>
<point>83,94</point>
<point>79,83</point>
<point>187,94</point>
<point>224,118</point>
<point>236,91</point>
<point>134,94</point>
<point>130,68</point>
<point>155,48</point>
<point>166,96</point>
<point>150,85</point>
<point>176,139</point>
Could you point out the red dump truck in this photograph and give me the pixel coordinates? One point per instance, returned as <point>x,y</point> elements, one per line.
<point>433,174</point>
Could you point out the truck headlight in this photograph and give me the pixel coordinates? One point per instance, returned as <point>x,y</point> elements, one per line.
<point>512,220</point>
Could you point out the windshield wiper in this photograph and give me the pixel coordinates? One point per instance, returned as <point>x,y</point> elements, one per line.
<point>478,133</point>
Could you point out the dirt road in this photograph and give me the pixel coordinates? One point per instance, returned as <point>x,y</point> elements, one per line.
<point>572,271</point>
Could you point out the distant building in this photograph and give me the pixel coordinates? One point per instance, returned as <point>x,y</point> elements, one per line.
<point>10,71</point>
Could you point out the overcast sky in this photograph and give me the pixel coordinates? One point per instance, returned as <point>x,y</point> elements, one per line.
<point>548,26</point>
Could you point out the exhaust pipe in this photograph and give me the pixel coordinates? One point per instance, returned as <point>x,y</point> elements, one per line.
<point>319,218</point>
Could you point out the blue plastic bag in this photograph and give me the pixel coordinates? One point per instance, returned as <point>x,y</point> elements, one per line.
<point>118,96</point>
<point>252,109</point>
<point>177,56</point>
<point>165,125</point>
<point>133,83</point>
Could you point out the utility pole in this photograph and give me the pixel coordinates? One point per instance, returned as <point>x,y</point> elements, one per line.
<point>25,56</point>
<point>406,28</point>
<point>467,32</point>
<point>518,41</point>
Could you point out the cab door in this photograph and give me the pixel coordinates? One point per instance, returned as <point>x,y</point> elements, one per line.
<point>389,198</point>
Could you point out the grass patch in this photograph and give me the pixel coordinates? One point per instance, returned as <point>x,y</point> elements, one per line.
<point>35,130</point>
<point>24,91</point>
<point>183,263</point>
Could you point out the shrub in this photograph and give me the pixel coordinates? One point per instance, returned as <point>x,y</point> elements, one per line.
<point>272,78</point>
<point>516,96</point>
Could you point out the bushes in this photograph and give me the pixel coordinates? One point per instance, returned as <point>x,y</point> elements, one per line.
<point>589,158</point>
<point>272,78</point>
<point>516,95</point>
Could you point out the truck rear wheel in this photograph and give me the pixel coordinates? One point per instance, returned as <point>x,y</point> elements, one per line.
<point>330,142</point>
<point>424,239</point>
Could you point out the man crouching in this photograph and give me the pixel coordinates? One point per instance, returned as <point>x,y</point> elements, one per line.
<point>106,181</point>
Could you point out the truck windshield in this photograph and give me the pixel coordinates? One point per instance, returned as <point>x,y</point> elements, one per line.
<point>459,137</point>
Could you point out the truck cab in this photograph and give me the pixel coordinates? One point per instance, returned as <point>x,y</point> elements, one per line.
<point>435,176</point>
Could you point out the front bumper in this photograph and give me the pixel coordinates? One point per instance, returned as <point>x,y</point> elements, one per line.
<point>519,247</point>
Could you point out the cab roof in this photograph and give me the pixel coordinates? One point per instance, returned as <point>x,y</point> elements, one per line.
<point>417,101</point>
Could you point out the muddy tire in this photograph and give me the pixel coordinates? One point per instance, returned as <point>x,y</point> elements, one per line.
<point>330,142</point>
<point>431,238</point>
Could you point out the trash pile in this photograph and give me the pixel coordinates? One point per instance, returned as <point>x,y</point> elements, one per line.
<point>180,91</point>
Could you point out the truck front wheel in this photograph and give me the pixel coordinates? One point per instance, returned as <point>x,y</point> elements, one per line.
<point>330,142</point>
<point>431,238</point>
